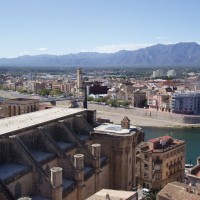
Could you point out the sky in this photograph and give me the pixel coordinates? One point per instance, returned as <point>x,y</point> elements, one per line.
<point>59,27</point>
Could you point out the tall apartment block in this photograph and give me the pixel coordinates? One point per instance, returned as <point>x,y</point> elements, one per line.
<point>186,103</point>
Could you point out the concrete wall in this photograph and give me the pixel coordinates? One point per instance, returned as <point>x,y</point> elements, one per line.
<point>140,112</point>
<point>103,178</point>
<point>71,195</point>
<point>89,188</point>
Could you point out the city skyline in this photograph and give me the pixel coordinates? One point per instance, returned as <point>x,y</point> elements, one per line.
<point>63,27</point>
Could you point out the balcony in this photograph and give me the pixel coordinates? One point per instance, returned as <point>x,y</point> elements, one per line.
<point>157,162</point>
<point>176,164</point>
<point>157,171</point>
<point>156,179</point>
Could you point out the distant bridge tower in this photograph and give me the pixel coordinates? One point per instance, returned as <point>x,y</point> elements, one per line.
<point>79,82</point>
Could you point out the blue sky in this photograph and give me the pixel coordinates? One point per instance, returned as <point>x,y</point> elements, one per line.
<point>69,26</point>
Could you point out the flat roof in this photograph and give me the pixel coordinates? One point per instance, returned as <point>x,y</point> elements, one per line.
<point>113,194</point>
<point>108,128</point>
<point>28,120</point>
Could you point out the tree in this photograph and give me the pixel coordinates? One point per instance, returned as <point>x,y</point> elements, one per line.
<point>112,102</point>
<point>151,196</point>
<point>90,98</point>
<point>55,92</point>
<point>44,92</point>
<point>125,103</point>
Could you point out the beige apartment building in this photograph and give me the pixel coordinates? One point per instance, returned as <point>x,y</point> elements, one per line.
<point>160,161</point>
<point>18,106</point>
<point>64,154</point>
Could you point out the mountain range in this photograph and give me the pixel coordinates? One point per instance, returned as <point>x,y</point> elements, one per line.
<point>180,54</point>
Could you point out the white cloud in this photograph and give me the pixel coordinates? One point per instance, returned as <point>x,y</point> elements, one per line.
<point>42,49</point>
<point>24,53</point>
<point>114,48</point>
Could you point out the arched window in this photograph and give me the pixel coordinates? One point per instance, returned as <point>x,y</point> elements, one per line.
<point>14,110</point>
<point>34,107</point>
<point>39,178</point>
<point>47,169</point>
<point>18,190</point>
<point>9,111</point>
<point>31,108</point>
<point>19,110</point>
<point>28,109</point>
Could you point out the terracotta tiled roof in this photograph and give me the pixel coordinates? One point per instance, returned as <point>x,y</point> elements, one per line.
<point>177,191</point>
<point>165,137</point>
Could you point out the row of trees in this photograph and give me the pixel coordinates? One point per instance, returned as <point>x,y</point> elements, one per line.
<point>111,102</point>
<point>47,92</point>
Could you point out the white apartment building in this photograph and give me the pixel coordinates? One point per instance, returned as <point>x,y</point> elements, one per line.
<point>171,72</point>
<point>158,73</point>
<point>186,103</point>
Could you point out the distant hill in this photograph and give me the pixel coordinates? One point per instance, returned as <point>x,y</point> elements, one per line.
<point>180,54</point>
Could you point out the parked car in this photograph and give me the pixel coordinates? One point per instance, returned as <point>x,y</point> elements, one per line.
<point>145,191</point>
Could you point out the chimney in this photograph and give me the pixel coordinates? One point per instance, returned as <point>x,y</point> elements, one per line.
<point>56,181</point>
<point>79,175</point>
<point>96,150</point>
<point>125,123</point>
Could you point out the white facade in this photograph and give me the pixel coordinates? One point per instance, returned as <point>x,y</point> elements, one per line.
<point>158,73</point>
<point>171,72</point>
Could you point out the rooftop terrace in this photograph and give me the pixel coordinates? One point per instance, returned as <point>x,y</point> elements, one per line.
<point>107,128</point>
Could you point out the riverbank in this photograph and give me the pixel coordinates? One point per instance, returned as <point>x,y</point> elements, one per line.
<point>142,121</point>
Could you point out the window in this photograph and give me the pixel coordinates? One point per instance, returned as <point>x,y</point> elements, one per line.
<point>17,190</point>
<point>47,169</point>
<point>157,176</point>
<point>145,175</point>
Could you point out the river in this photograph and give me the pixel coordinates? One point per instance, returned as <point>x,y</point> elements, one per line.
<point>190,135</point>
